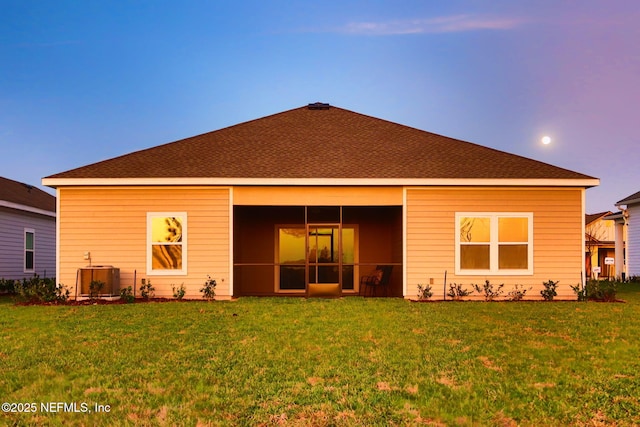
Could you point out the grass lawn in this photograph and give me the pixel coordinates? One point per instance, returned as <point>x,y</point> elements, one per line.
<point>352,361</point>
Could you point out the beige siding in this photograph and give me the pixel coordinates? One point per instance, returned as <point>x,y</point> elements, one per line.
<point>557,235</point>
<point>111,224</point>
<point>316,196</point>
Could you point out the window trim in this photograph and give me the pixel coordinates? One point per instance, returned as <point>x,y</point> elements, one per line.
<point>150,243</point>
<point>25,250</point>
<point>494,244</point>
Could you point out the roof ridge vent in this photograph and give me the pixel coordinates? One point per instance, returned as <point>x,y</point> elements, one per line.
<point>319,106</point>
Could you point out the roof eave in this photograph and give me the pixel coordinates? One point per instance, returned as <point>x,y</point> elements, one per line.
<point>25,208</point>
<point>467,182</point>
<point>614,217</point>
<point>627,202</point>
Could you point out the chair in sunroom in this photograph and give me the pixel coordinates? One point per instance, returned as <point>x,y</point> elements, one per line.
<point>378,279</point>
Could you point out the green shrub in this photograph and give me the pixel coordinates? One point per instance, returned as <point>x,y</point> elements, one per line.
<point>178,293</point>
<point>517,293</point>
<point>209,288</point>
<point>94,289</point>
<point>127,294</point>
<point>580,293</point>
<point>424,292</point>
<point>549,291</point>
<point>147,290</point>
<point>37,290</point>
<point>457,291</point>
<point>7,286</point>
<point>601,290</point>
<point>489,291</point>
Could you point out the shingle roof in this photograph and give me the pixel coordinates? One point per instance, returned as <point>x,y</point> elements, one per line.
<point>27,195</point>
<point>589,218</point>
<point>320,143</point>
<point>634,198</point>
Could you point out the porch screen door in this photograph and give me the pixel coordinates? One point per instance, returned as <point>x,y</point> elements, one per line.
<point>323,254</point>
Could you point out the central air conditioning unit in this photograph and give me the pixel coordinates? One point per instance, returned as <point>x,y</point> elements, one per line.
<point>107,274</point>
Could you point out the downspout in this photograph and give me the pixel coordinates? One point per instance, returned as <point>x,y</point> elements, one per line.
<point>583,277</point>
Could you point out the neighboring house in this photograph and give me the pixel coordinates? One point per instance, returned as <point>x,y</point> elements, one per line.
<point>27,231</point>
<point>620,233</point>
<point>630,217</point>
<point>600,245</point>
<point>320,196</point>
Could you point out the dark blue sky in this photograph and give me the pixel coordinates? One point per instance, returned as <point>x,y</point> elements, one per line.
<point>85,81</point>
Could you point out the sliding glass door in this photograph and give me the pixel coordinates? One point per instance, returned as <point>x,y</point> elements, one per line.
<point>316,254</point>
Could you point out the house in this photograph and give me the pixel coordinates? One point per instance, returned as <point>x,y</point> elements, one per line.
<point>600,246</point>
<point>27,231</point>
<point>313,199</point>
<point>630,217</point>
<point>619,221</point>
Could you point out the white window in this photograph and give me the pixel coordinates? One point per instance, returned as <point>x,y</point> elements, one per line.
<point>29,250</point>
<point>494,243</point>
<point>166,243</point>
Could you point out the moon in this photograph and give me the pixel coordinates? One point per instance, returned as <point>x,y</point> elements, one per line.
<point>546,140</point>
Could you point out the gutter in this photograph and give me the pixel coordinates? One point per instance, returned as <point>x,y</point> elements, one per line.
<point>418,182</point>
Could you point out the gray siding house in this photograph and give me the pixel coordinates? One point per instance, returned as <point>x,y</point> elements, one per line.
<point>631,218</point>
<point>27,231</point>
